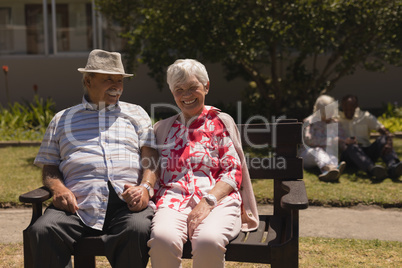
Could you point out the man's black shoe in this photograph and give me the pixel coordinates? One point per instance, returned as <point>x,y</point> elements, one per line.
<point>378,173</point>
<point>395,171</point>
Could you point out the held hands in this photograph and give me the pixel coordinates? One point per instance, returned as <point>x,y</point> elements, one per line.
<point>136,197</point>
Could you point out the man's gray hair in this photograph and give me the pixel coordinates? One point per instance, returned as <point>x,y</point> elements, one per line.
<point>179,72</point>
<point>84,77</point>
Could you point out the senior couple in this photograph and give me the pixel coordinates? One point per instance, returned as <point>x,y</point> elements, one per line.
<point>98,160</point>
<point>325,132</point>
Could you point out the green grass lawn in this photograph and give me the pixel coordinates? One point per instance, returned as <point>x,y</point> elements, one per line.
<point>314,252</point>
<point>19,175</point>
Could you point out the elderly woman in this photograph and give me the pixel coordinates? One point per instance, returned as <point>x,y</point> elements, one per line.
<point>322,137</point>
<point>204,192</point>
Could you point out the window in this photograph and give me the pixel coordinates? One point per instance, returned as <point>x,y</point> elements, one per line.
<point>6,38</point>
<point>43,27</point>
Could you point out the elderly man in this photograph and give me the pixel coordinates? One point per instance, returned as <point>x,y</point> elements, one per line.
<point>359,150</point>
<point>98,160</point>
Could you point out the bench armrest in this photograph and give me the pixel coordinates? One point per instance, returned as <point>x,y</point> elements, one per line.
<point>296,198</point>
<point>36,198</point>
<point>38,195</point>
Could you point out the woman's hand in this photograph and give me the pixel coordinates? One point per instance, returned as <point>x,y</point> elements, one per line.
<point>136,197</point>
<point>197,215</point>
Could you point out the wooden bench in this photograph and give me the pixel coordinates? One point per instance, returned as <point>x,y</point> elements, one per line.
<point>276,241</point>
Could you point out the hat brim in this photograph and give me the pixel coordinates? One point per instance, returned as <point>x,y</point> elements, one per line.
<point>83,70</point>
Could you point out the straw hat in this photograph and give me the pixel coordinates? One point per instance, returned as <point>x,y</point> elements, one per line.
<point>104,62</point>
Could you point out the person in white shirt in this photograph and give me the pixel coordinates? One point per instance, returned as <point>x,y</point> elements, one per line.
<point>358,149</point>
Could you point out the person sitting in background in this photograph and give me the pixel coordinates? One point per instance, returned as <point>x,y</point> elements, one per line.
<point>320,137</point>
<point>358,149</point>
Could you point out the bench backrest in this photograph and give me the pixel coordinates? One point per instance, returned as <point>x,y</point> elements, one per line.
<point>278,144</point>
<point>279,159</point>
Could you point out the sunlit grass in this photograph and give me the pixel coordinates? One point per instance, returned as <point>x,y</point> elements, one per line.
<point>314,252</point>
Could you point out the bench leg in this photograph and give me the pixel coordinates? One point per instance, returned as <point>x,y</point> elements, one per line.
<point>84,261</point>
<point>287,256</point>
<point>28,261</point>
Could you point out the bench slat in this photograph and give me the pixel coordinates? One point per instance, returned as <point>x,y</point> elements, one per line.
<point>255,237</point>
<point>278,168</point>
<point>276,135</point>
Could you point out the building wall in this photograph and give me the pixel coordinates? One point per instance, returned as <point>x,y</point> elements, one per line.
<point>374,89</point>
<point>56,76</point>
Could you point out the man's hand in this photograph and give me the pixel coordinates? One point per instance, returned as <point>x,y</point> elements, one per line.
<point>65,200</point>
<point>388,148</point>
<point>136,197</point>
<point>350,140</point>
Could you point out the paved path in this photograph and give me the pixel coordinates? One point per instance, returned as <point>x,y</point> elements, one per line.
<point>360,222</point>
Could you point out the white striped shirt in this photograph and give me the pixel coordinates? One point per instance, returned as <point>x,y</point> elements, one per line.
<point>92,147</point>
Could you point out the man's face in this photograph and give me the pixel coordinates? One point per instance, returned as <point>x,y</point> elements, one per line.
<point>349,106</point>
<point>104,88</point>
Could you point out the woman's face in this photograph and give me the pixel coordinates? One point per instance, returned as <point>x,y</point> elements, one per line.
<point>190,97</point>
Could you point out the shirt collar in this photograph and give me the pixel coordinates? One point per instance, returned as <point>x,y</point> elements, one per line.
<point>207,112</point>
<point>94,107</point>
<point>201,117</point>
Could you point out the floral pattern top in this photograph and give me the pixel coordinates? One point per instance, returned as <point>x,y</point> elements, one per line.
<point>194,159</point>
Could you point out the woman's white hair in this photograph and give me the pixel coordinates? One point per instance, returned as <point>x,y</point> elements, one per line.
<point>322,101</point>
<point>179,72</point>
<point>327,105</point>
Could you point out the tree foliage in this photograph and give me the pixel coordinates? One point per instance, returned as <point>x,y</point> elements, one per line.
<point>289,51</point>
